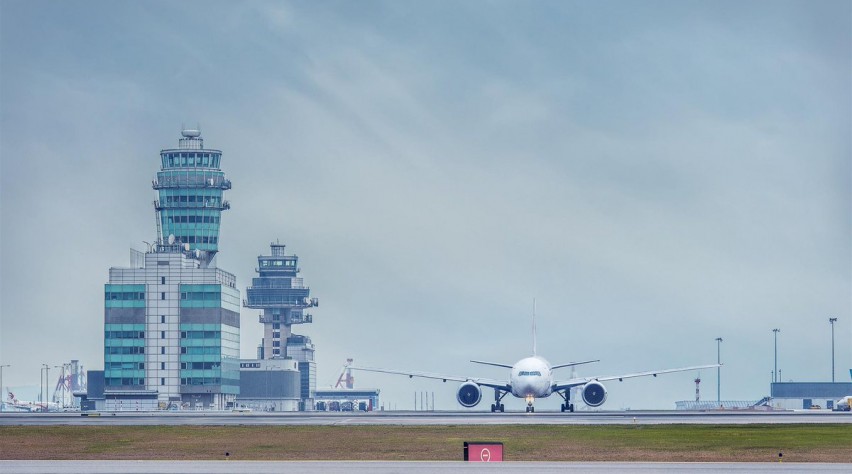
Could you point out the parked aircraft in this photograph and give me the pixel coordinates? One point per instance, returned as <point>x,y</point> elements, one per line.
<point>24,405</point>
<point>531,378</point>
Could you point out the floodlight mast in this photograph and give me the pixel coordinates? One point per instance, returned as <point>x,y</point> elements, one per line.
<point>832,321</point>
<point>718,372</point>
<point>775,374</point>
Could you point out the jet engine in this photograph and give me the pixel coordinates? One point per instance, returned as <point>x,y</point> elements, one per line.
<point>594,394</point>
<point>469,394</point>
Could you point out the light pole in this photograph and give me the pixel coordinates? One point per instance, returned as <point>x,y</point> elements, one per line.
<point>2,403</point>
<point>46,387</point>
<point>832,321</point>
<point>41,383</point>
<point>776,377</point>
<point>718,371</point>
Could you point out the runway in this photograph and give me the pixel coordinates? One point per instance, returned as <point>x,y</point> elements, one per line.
<point>423,418</point>
<point>382,467</point>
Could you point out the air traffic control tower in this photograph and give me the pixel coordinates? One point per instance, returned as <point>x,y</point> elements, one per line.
<point>189,187</point>
<point>172,318</point>
<point>282,295</point>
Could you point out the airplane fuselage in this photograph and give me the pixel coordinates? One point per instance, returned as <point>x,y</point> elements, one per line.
<point>531,377</point>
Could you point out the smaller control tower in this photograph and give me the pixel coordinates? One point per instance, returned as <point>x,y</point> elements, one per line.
<point>283,297</point>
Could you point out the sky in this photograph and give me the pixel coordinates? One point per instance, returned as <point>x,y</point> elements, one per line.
<point>654,174</point>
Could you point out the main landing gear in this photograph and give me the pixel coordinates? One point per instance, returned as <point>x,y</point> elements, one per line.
<point>567,406</point>
<point>497,406</point>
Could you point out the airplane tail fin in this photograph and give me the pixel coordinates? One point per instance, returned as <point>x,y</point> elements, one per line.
<point>533,329</point>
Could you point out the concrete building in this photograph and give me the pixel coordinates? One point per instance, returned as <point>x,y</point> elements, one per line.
<point>283,298</point>
<point>95,397</point>
<point>269,385</point>
<point>172,319</point>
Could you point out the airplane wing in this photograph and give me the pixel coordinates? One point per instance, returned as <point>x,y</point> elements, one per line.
<point>562,385</point>
<point>572,364</point>
<point>499,384</point>
<point>495,364</point>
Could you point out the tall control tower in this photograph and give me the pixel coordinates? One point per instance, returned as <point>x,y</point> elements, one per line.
<point>283,297</point>
<point>172,318</point>
<point>190,186</point>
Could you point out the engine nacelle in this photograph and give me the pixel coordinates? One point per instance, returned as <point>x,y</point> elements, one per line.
<point>594,394</point>
<point>469,394</point>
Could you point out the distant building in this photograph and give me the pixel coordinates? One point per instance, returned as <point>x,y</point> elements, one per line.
<point>172,319</point>
<point>804,395</point>
<point>283,297</point>
<point>722,405</point>
<point>347,399</point>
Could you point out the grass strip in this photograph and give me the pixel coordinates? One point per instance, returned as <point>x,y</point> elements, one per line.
<point>659,443</point>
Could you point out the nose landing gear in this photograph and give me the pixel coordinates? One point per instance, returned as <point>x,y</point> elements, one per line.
<point>530,407</point>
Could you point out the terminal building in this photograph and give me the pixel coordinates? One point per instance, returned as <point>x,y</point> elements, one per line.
<point>172,318</point>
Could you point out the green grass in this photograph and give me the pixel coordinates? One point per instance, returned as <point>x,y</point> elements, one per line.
<point>806,443</point>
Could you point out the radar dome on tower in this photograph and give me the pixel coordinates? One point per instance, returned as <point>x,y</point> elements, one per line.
<point>191,133</point>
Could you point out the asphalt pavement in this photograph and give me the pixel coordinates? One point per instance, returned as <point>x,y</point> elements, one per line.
<point>419,418</point>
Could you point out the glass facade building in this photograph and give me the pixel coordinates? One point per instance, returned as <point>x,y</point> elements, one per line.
<point>190,186</point>
<point>172,319</point>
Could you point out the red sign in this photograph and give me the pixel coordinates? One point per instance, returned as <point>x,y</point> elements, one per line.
<point>484,451</point>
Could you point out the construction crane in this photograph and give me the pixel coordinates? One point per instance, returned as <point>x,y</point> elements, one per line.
<point>346,380</point>
<point>63,386</point>
<point>72,379</point>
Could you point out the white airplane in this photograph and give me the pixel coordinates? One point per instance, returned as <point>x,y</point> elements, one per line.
<point>24,405</point>
<point>531,378</point>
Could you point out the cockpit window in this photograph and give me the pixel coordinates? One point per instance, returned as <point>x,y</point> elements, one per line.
<point>529,373</point>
